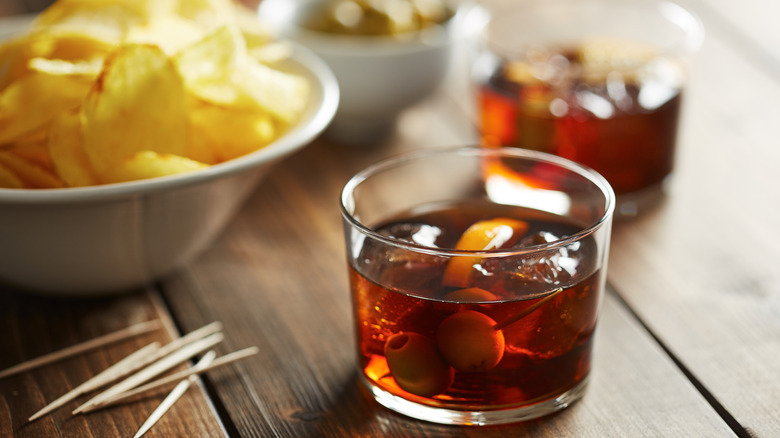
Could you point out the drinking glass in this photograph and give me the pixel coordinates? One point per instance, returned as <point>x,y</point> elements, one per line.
<point>599,82</point>
<point>476,277</point>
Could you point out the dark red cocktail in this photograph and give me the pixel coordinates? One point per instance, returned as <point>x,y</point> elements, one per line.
<point>598,82</point>
<point>610,124</point>
<point>480,310</point>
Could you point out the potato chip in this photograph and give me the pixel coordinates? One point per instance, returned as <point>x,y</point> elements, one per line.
<point>33,101</point>
<point>218,92</point>
<point>208,14</point>
<point>148,164</point>
<point>38,135</point>
<point>137,103</point>
<point>29,174</point>
<point>68,46</point>
<point>108,21</point>
<point>212,58</point>
<point>257,87</point>
<point>218,70</point>
<point>271,53</point>
<point>279,93</point>
<point>102,91</point>
<point>35,151</point>
<point>9,180</point>
<point>200,147</point>
<point>67,152</point>
<point>16,54</point>
<point>231,133</point>
<point>254,32</point>
<point>89,69</point>
<point>170,33</point>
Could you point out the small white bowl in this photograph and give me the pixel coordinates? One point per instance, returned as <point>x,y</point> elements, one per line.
<point>378,76</point>
<point>102,239</point>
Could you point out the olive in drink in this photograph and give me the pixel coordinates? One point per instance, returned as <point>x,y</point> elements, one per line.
<point>468,310</point>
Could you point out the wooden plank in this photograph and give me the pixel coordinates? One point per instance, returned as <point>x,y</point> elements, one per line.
<point>35,325</point>
<point>702,271</point>
<point>277,279</point>
<point>10,8</point>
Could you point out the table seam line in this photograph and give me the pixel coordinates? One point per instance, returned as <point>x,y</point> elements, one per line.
<point>215,404</point>
<point>735,426</point>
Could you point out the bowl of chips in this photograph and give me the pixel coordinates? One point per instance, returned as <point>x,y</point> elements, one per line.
<point>387,55</point>
<point>132,131</point>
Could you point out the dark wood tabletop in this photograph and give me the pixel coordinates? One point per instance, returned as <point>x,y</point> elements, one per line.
<point>688,342</point>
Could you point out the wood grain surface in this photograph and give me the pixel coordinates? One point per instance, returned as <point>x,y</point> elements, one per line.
<point>35,325</point>
<point>688,342</point>
<point>282,265</point>
<point>702,271</point>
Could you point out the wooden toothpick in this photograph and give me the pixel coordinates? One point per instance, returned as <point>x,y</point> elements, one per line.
<point>127,366</point>
<point>175,358</point>
<point>92,344</point>
<point>174,395</point>
<point>106,376</point>
<point>514,318</point>
<point>224,360</point>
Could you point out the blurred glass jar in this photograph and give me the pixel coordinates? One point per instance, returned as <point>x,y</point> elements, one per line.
<point>599,82</point>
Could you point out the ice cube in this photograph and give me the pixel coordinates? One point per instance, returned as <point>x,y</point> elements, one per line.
<point>660,83</point>
<point>420,234</point>
<point>555,327</point>
<point>548,268</point>
<point>542,334</point>
<point>538,238</point>
<point>595,103</point>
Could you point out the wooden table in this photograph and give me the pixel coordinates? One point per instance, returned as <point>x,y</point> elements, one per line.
<point>688,342</point>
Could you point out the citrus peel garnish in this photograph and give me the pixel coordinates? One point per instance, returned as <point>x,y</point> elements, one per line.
<point>483,235</point>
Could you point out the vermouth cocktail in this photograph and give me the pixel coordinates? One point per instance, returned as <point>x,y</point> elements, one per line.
<point>468,308</point>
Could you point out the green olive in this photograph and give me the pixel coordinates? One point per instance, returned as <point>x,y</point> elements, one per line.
<point>471,295</point>
<point>378,17</point>
<point>416,365</point>
<point>469,341</point>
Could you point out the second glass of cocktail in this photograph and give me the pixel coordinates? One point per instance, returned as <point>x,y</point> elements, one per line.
<point>600,82</point>
<point>476,278</point>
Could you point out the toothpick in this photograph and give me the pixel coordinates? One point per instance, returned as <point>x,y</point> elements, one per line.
<point>224,360</point>
<point>130,366</point>
<point>106,376</point>
<point>175,358</point>
<point>514,318</point>
<point>190,337</point>
<point>117,336</point>
<point>173,396</point>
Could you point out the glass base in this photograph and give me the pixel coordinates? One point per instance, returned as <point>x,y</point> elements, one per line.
<point>631,205</point>
<point>475,418</point>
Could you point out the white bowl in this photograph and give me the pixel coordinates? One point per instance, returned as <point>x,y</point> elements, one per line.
<point>378,76</point>
<point>111,238</point>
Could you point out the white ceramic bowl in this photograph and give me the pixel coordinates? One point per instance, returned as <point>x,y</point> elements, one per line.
<point>102,239</point>
<point>378,76</point>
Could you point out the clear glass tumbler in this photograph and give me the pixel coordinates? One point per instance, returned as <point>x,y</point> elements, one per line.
<point>476,278</point>
<point>597,81</point>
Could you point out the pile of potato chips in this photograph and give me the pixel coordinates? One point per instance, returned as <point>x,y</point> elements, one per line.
<point>105,91</point>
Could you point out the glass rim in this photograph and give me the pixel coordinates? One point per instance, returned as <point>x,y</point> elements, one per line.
<point>398,160</point>
<point>672,12</point>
